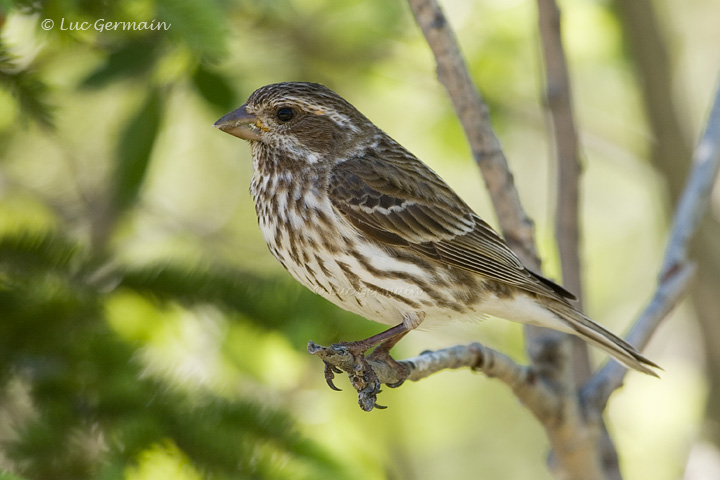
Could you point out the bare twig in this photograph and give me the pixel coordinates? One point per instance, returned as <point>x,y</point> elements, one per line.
<point>669,142</point>
<point>573,439</point>
<point>668,294</point>
<point>559,102</point>
<point>696,196</point>
<point>653,68</point>
<point>676,272</point>
<point>521,379</point>
<point>517,228</point>
<point>573,422</point>
<point>474,116</point>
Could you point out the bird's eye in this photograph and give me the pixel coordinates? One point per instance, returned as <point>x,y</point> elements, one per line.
<point>284,114</point>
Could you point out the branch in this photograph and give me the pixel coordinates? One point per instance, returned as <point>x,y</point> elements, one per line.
<point>474,116</point>
<point>521,379</point>
<point>650,55</point>
<point>473,113</point>
<point>653,70</point>
<point>559,103</point>
<point>668,294</point>
<point>676,271</point>
<point>695,198</point>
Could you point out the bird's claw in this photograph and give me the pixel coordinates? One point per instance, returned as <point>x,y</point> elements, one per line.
<point>330,371</point>
<point>366,383</point>
<point>362,376</point>
<point>396,384</point>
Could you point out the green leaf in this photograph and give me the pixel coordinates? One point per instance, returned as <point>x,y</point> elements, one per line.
<point>29,91</point>
<point>280,304</point>
<point>22,252</point>
<point>197,24</point>
<point>130,60</point>
<point>10,476</point>
<point>134,150</point>
<point>214,88</point>
<point>189,285</point>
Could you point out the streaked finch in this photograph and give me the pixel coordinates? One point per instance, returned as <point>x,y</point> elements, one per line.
<point>357,218</point>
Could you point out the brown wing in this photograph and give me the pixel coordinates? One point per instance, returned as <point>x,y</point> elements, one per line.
<point>404,203</point>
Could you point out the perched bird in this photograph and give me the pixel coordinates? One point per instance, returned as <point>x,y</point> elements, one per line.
<point>357,218</point>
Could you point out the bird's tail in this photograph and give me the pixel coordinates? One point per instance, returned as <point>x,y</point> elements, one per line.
<point>599,336</point>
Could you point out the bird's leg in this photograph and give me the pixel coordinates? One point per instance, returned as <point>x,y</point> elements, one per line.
<point>358,349</point>
<point>363,377</point>
<point>411,320</point>
<point>382,353</point>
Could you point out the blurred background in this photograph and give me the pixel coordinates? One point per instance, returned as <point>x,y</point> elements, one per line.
<point>147,333</point>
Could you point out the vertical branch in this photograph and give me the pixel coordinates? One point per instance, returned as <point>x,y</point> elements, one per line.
<point>559,102</point>
<point>696,196</point>
<point>676,272</point>
<point>652,64</point>
<point>573,439</point>
<point>473,113</point>
<point>474,116</point>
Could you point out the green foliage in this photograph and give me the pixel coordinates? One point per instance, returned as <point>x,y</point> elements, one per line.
<point>267,303</point>
<point>130,59</point>
<point>80,320</point>
<point>145,331</point>
<point>134,148</point>
<point>95,411</point>
<point>200,26</point>
<point>214,88</point>
<point>29,91</point>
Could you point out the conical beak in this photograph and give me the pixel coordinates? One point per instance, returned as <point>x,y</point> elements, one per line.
<point>239,123</point>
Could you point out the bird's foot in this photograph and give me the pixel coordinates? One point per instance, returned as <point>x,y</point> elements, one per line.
<point>362,370</point>
<point>382,354</point>
<point>350,357</point>
<point>362,375</point>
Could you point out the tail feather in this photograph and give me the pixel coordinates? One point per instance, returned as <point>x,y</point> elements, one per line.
<point>599,336</point>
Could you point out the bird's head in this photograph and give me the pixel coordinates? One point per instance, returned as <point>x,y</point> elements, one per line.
<point>307,119</point>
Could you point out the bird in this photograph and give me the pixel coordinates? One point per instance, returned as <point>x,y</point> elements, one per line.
<point>355,217</point>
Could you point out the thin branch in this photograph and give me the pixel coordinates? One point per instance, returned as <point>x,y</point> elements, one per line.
<point>695,198</point>
<point>521,379</point>
<point>669,142</point>
<point>473,113</point>
<point>653,67</point>
<point>574,427</point>
<point>474,116</point>
<point>559,102</point>
<point>669,293</point>
<point>676,272</point>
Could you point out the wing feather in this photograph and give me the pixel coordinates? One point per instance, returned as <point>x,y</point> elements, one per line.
<point>402,202</point>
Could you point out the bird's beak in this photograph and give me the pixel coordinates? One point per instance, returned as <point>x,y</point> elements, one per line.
<point>239,123</point>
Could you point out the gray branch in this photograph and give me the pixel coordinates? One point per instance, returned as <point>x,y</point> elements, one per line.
<point>572,419</point>
<point>696,196</point>
<point>670,291</point>
<point>558,97</point>
<point>474,116</point>
<point>517,228</point>
<point>521,379</point>
<point>676,271</point>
